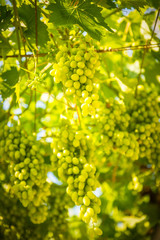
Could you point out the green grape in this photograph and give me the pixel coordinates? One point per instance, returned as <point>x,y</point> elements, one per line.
<point>83,79</point>
<point>76,85</point>
<point>78,58</point>
<point>68,83</point>
<point>75,77</point>
<point>80,72</point>
<point>88,72</point>
<point>73,64</point>
<point>81,65</point>
<point>98,231</point>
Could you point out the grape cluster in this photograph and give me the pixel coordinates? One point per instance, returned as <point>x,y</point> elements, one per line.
<point>58,203</point>
<point>75,68</point>
<point>27,169</point>
<point>71,155</point>
<point>144,123</point>
<point>15,224</point>
<point>113,122</point>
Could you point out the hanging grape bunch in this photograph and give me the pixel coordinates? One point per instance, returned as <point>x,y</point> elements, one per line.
<point>15,219</point>
<point>144,122</point>
<point>75,68</point>
<point>113,121</point>
<point>58,203</point>
<point>27,169</point>
<point>72,154</point>
<point>15,223</point>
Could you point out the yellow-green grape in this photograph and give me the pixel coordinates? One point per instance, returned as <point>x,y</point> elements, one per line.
<point>98,231</point>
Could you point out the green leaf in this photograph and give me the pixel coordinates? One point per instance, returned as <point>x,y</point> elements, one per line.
<point>59,15</point>
<point>134,4</point>
<point>5,47</point>
<point>10,78</point>
<point>5,17</point>
<point>107,91</point>
<point>86,14</point>
<point>94,13</point>
<point>155,3</point>
<point>151,67</point>
<point>105,3</point>
<point>27,16</point>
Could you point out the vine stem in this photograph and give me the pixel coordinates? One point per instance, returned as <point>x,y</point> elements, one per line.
<point>36,29</point>
<point>23,40</point>
<point>36,60</point>
<point>17,29</point>
<point>25,55</point>
<point>35,112</point>
<point>78,115</point>
<point>144,52</point>
<point>137,47</point>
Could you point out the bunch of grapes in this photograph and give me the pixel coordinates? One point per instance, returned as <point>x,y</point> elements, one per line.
<point>72,153</point>
<point>144,122</point>
<point>115,138</point>
<point>10,210</point>
<point>27,169</point>
<point>14,223</point>
<point>75,68</point>
<point>58,204</point>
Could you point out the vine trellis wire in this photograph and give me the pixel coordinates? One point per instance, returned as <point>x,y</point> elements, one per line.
<point>120,49</point>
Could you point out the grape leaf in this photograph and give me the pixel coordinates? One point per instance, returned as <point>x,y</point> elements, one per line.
<point>134,4</point>
<point>155,3</point>
<point>27,16</point>
<point>60,15</point>
<point>86,14</point>
<point>93,12</point>
<point>5,47</point>
<point>5,17</point>
<point>105,3</point>
<point>108,92</point>
<point>10,78</point>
